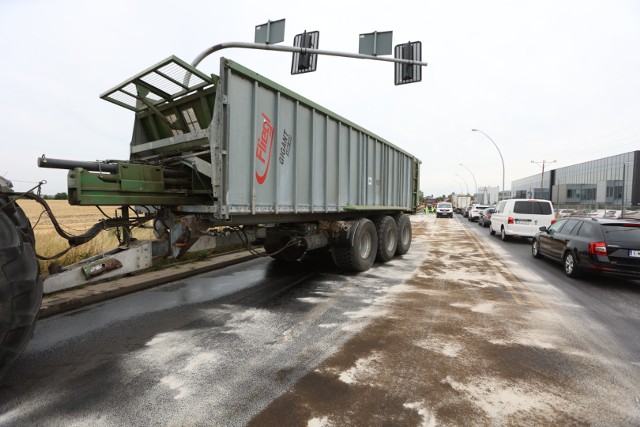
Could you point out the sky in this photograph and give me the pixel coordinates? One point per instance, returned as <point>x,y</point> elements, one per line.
<point>545,80</point>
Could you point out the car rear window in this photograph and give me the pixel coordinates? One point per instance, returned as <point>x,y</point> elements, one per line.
<point>622,232</point>
<point>532,208</point>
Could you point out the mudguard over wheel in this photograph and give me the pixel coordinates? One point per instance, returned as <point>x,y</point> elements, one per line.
<point>361,251</point>
<point>20,289</point>
<point>404,234</point>
<point>387,237</point>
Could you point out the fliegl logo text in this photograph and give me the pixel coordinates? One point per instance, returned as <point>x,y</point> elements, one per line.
<point>263,150</point>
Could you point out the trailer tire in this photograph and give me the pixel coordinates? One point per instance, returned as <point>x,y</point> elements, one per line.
<point>20,289</point>
<point>387,237</point>
<point>404,234</point>
<point>360,253</point>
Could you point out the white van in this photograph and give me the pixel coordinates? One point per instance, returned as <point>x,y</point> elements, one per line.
<point>521,217</point>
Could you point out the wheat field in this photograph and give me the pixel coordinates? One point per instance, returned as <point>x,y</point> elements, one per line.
<point>75,220</point>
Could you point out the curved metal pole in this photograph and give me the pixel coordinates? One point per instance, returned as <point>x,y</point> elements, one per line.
<point>465,183</point>
<point>460,185</point>
<point>501,158</point>
<point>302,50</point>
<point>472,176</point>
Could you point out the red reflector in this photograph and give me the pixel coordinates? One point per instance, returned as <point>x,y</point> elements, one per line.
<point>510,220</point>
<point>598,248</point>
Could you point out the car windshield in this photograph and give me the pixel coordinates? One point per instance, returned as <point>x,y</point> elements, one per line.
<point>532,207</point>
<point>444,205</point>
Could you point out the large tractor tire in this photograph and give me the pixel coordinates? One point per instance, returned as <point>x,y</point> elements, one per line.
<point>404,234</point>
<point>20,284</point>
<point>360,253</point>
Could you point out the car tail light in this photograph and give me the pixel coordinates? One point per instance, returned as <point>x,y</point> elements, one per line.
<point>553,221</point>
<point>598,248</point>
<point>510,220</point>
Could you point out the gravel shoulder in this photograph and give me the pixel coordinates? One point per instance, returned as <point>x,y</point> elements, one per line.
<point>464,341</point>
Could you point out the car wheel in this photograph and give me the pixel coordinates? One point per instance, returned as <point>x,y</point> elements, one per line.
<point>535,249</point>
<point>503,235</point>
<point>570,267</point>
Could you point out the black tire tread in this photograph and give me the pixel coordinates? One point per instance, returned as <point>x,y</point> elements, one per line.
<point>20,287</point>
<point>383,223</point>
<point>403,221</point>
<point>347,257</point>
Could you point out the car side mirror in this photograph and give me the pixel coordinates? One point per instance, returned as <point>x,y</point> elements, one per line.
<point>543,229</point>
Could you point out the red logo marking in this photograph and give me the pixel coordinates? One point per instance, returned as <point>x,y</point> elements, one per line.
<point>265,142</point>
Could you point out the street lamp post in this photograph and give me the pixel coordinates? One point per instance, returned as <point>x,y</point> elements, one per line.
<point>465,182</point>
<point>501,158</point>
<point>542,177</point>
<point>472,176</point>
<point>460,185</point>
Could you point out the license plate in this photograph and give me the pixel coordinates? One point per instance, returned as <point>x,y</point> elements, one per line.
<point>634,253</point>
<point>523,221</point>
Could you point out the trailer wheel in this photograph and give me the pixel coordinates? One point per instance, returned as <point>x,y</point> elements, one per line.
<point>20,289</point>
<point>360,253</point>
<point>404,234</point>
<point>387,237</point>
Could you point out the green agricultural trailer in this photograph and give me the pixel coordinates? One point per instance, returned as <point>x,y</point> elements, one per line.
<point>217,160</point>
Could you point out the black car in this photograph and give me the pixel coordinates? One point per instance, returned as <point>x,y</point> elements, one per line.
<point>485,217</point>
<point>596,245</point>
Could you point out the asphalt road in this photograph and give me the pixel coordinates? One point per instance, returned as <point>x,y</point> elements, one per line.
<point>463,330</point>
<point>611,304</point>
<point>214,349</point>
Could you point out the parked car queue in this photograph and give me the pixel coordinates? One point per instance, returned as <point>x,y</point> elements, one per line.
<point>583,242</point>
<point>609,246</point>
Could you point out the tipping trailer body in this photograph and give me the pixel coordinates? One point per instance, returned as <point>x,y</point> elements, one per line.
<point>240,150</point>
<point>269,153</point>
<point>207,151</point>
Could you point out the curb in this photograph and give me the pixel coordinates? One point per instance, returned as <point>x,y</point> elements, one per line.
<point>72,299</point>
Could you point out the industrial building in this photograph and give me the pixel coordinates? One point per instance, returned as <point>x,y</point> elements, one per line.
<point>607,183</point>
